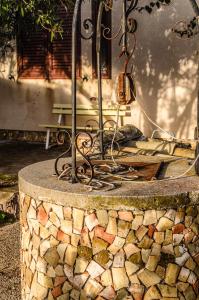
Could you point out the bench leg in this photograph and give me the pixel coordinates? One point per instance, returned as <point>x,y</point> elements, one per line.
<point>47,139</point>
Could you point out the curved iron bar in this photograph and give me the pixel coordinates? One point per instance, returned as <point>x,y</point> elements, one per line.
<point>88,26</point>
<point>110,121</point>
<point>57,171</point>
<point>62,136</point>
<point>107,30</point>
<point>132,6</point>
<point>81,170</point>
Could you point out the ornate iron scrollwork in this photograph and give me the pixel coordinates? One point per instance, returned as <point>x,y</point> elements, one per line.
<point>89,28</point>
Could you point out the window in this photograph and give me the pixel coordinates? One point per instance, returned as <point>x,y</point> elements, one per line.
<point>105,44</point>
<point>39,58</point>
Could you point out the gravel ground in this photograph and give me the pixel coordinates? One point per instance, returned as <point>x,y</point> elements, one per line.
<point>10,262</point>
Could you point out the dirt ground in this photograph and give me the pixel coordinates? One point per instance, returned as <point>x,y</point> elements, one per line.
<point>17,155</point>
<point>10,262</point>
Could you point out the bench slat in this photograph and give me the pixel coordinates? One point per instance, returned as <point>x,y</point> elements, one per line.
<point>92,107</point>
<point>69,127</point>
<point>91,112</point>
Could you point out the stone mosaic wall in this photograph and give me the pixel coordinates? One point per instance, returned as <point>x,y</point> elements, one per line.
<point>69,253</point>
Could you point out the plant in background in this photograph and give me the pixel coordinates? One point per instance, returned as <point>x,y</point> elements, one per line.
<point>6,218</point>
<point>28,13</point>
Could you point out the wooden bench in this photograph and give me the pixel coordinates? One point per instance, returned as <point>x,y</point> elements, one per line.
<point>62,110</point>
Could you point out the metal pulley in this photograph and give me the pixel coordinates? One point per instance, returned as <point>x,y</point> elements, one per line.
<point>126,89</point>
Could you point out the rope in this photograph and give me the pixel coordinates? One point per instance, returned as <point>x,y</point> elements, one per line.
<point>115,132</point>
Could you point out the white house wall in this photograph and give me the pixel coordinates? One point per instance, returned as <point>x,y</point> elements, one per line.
<point>165,75</point>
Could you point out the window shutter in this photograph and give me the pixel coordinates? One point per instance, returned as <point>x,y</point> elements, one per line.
<point>32,54</point>
<point>61,49</point>
<point>38,58</point>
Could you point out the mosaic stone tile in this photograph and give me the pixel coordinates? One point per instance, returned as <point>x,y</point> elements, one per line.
<point>102,258</point>
<point>91,221</point>
<point>81,265</point>
<point>131,249</point>
<point>67,226</point>
<point>59,271</point>
<point>85,238</point>
<point>148,278</point>
<point>79,280</point>
<point>131,268</point>
<point>150,217</point>
<point>125,216</point>
<point>123,228</point>
<point>41,265</point>
<point>102,216</point>
<point>108,293</point>
<point>98,245</point>
<point>52,257</point>
<point>100,232</point>
<point>42,215</point>
<point>58,209</point>
<point>116,245</point>
<point>118,261</point>
<point>164,224</point>
<point>66,287</point>
<point>78,220</point>
<point>67,211</point>
<point>120,278</point>
<point>152,262</point>
<point>167,291</point>
<point>94,269</point>
<point>159,237</point>
<point>152,293</point>
<point>92,288</point>
<point>85,252</point>
<point>106,278</point>
<point>45,280</point>
<point>137,222</point>
<point>70,255</point>
<point>137,291</point>
<point>112,226</point>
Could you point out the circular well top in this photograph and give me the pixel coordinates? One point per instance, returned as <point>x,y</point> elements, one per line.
<point>37,181</point>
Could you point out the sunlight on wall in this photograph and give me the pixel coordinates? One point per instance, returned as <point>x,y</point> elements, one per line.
<point>165,70</point>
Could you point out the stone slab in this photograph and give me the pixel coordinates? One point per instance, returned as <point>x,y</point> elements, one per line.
<point>37,181</point>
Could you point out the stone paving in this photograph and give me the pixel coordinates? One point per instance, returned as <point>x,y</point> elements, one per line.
<point>71,253</point>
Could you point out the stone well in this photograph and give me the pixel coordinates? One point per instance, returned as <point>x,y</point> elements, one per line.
<point>137,242</point>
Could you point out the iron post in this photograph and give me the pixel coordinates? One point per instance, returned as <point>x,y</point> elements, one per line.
<point>99,76</point>
<point>74,87</point>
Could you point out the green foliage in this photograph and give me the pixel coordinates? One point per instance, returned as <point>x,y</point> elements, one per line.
<point>2,216</point>
<point>6,218</point>
<point>30,12</point>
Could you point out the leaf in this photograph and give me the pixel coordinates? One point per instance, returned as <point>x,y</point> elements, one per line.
<point>2,216</point>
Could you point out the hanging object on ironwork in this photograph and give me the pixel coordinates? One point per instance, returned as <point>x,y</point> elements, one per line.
<point>126,89</point>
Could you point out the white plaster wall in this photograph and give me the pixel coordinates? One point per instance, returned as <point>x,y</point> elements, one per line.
<point>165,74</point>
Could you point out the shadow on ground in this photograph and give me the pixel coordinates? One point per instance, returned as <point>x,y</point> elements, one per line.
<point>16,155</point>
